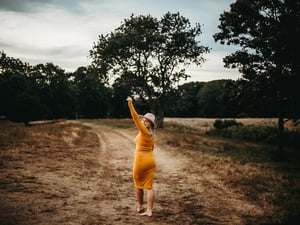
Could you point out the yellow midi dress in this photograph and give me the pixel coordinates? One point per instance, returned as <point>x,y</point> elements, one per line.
<point>144,161</point>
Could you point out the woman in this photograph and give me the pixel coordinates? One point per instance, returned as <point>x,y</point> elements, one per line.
<point>144,162</point>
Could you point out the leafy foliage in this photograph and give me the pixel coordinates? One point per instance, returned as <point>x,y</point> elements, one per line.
<point>151,55</point>
<point>29,93</point>
<point>209,101</point>
<point>19,97</point>
<point>183,101</point>
<point>92,95</point>
<point>267,32</point>
<point>222,124</point>
<point>255,133</point>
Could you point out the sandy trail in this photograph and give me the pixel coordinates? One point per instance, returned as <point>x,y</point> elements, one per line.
<point>93,185</point>
<point>185,193</point>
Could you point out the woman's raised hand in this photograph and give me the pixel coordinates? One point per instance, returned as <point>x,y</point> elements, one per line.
<point>129,98</point>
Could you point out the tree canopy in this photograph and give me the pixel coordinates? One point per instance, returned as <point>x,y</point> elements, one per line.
<point>151,55</point>
<point>268,34</point>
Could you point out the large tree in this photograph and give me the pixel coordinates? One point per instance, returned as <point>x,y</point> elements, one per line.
<point>151,55</point>
<point>268,33</point>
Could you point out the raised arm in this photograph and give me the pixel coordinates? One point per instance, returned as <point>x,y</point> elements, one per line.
<point>136,118</point>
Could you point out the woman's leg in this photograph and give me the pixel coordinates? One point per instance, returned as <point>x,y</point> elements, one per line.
<point>150,200</point>
<point>140,198</point>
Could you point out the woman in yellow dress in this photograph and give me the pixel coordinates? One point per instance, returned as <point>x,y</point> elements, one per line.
<point>144,161</point>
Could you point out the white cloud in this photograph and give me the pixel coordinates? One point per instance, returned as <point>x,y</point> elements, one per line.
<point>212,69</point>
<point>63,31</point>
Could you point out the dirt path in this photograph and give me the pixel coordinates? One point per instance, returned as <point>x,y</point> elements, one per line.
<point>93,185</point>
<point>185,192</point>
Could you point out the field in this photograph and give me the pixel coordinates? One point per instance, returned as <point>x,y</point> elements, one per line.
<point>79,172</point>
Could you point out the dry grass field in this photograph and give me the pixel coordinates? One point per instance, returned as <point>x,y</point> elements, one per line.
<point>79,172</point>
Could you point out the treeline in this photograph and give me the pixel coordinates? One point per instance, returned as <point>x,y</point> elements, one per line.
<point>46,91</point>
<point>219,99</point>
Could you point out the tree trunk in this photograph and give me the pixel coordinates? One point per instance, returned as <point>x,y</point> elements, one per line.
<point>157,110</point>
<point>160,118</point>
<point>280,125</point>
<point>280,134</point>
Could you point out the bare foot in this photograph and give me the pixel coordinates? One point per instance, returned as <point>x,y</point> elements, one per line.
<point>141,210</point>
<point>147,213</point>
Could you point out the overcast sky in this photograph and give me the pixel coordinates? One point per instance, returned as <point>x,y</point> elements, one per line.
<point>63,31</point>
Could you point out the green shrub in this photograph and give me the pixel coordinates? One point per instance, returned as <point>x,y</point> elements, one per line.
<point>256,133</point>
<point>218,124</point>
<point>262,133</point>
<point>222,124</point>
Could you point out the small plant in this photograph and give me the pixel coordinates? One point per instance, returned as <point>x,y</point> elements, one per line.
<point>222,124</point>
<point>262,133</point>
<point>236,130</point>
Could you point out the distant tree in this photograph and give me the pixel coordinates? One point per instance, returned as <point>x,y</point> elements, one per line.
<point>151,54</point>
<point>268,33</point>
<point>171,108</point>
<point>56,92</point>
<point>187,100</point>
<point>121,88</point>
<point>19,97</point>
<point>209,101</point>
<point>241,98</point>
<point>93,95</point>
<point>231,98</point>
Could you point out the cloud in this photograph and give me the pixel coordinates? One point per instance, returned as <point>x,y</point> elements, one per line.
<point>68,57</point>
<point>63,31</point>
<point>212,69</point>
<point>19,5</point>
<point>31,6</point>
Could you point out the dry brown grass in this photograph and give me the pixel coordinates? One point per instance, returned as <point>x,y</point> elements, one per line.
<point>248,168</point>
<point>37,164</point>
<point>53,166</point>
<point>204,124</point>
<point>18,133</point>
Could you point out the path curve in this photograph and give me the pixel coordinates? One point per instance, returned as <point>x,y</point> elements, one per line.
<point>184,192</point>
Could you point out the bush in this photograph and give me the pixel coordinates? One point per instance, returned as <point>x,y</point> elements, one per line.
<point>262,133</point>
<point>222,124</point>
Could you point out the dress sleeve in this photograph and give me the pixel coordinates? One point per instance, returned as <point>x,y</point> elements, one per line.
<point>137,120</point>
